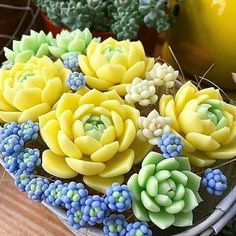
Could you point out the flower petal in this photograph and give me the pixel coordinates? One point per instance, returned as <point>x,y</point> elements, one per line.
<point>97,83</point>
<point>66,122</point>
<point>83,110</point>
<point>97,60</point>
<point>85,167</point>
<point>106,152</point>
<point>34,112</point>
<point>225,152</point>
<point>85,67</point>
<point>136,53</point>
<point>50,97</point>
<point>202,142</point>
<point>118,123</point>
<point>9,116</point>
<point>108,136</point>
<point>232,136</point>
<point>136,70</point>
<point>129,133</point>
<point>120,164</point>
<point>114,105</point>
<point>163,102</point>
<point>67,146</point>
<point>100,184</point>
<point>211,92</point>
<point>78,129</point>
<point>49,134</point>
<point>221,135</point>
<point>43,120</point>
<point>119,88</point>
<point>133,114</point>
<point>87,144</point>
<point>56,165</point>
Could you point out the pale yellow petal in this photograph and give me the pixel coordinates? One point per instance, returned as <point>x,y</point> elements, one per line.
<point>221,135</point>
<point>149,63</point>
<point>97,83</point>
<point>132,113</point>
<point>66,122</point>
<point>114,105</point>
<point>118,123</point>
<point>85,67</point>
<point>128,135</point>
<point>113,95</point>
<point>232,136</point>
<point>163,102</point>
<point>78,129</point>
<point>198,159</point>
<point>27,98</point>
<point>92,97</point>
<point>100,184</point>
<point>9,116</point>
<point>67,146</point>
<point>49,134</point>
<point>5,106</point>
<point>119,59</point>
<point>33,113</point>
<point>56,165</point>
<point>202,142</point>
<point>87,144</point>
<point>101,111</point>
<point>97,60</point>
<point>224,152</point>
<point>108,136</point>
<point>211,92</point>
<point>119,88</point>
<point>91,48</point>
<point>68,101</point>
<point>208,127</point>
<point>120,164</point>
<point>83,110</point>
<point>106,152</point>
<point>85,167</point>
<point>111,73</point>
<point>52,91</point>
<point>135,70</point>
<point>190,121</point>
<point>136,53</point>
<point>231,109</point>
<point>43,120</point>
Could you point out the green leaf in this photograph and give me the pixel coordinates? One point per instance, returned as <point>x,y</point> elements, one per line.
<point>43,50</point>
<point>16,46</point>
<point>55,51</point>
<point>162,175</point>
<point>167,164</point>
<point>77,45</point>
<point>144,174</point>
<point>152,186</point>
<point>149,202</point>
<point>179,177</point>
<point>184,163</point>
<point>163,200</point>
<point>175,207</point>
<point>134,186</point>
<point>179,193</point>
<point>184,219</point>
<point>162,219</point>
<point>24,56</point>
<point>9,54</point>
<point>152,158</point>
<point>140,211</point>
<point>193,182</point>
<point>190,200</point>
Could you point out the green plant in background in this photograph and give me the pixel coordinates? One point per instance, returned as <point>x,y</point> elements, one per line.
<point>35,44</point>
<point>122,17</point>
<point>75,42</point>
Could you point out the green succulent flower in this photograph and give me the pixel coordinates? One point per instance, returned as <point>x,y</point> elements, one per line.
<point>165,191</point>
<point>35,44</point>
<point>66,42</point>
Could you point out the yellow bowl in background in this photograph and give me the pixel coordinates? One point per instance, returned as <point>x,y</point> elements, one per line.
<point>205,33</point>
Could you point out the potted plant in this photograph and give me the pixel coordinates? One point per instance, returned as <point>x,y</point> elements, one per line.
<point>124,19</point>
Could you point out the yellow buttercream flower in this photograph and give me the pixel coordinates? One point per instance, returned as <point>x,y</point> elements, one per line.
<point>206,123</point>
<point>93,135</point>
<point>113,64</point>
<point>31,89</point>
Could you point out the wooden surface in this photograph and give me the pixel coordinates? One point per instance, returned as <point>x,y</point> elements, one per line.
<point>20,216</point>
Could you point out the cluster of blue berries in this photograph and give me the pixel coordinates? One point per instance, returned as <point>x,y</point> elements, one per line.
<point>75,81</point>
<point>71,62</point>
<point>17,159</point>
<point>214,181</point>
<point>170,145</point>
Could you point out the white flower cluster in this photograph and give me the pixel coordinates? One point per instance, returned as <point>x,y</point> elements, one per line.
<point>163,75</point>
<point>141,91</point>
<point>153,127</point>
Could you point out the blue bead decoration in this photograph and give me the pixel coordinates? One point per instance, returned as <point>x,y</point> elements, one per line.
<point>11,144</point>
<point>11,163</point>
<point>36,188</point>
<point>29,131</point>
<point>118,197</point>
<point>214,181</point>
<point>114,225</point>
<point>75,218</point>
<point>8,129</point>
<point>170,145</point>
<point>138,228</point>
<point>95,210</point>
<point>53,193</point>
<point>74,195</point>
<point>75,81</point>
<point>22,180</point>
<point>71,62</point>
<point>28,160</point>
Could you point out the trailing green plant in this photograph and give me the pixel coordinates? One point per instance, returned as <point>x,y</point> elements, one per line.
<point>122,17</point>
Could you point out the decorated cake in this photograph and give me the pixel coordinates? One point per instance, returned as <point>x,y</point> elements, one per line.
<point>115,139</point>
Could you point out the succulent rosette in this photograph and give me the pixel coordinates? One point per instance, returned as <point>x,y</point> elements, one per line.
<point>31,89</point>
<point>94,135</point>
<point>67,43</point>
<point>205,122</point>
<point>165,191</point>
<point>35,44</point>
<point>113,64</point>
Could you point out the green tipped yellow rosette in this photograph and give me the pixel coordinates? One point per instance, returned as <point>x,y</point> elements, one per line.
<point>165,191</point>
<point>31,89</point>
<point>111,64</point>
<point>93,135</point>
<point>206,123</point>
